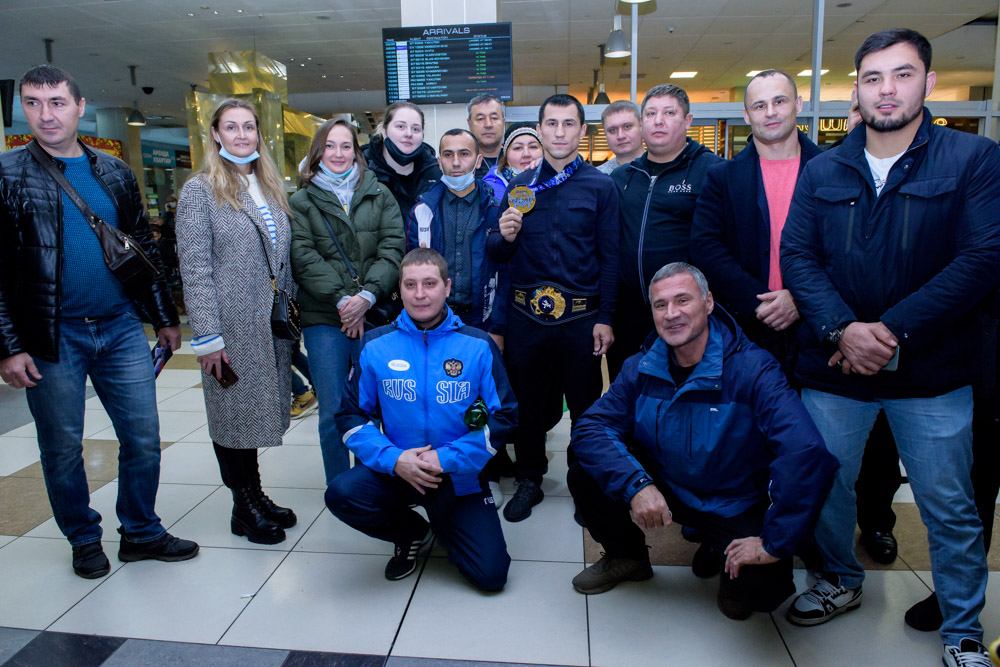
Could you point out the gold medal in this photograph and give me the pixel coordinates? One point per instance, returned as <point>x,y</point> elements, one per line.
<point>522,198</point>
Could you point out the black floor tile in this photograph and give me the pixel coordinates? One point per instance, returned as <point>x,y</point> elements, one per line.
<point>165,654</point>
<point>316,659</point>
<point>13,640</point>
<point>59,648</point>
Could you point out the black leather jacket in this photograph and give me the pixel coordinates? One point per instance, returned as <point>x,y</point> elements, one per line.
<point>31,224</point>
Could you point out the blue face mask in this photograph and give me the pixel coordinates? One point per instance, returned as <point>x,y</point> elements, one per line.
<point>331,174</point>
<point>237,160</point>
<point>459,183</point>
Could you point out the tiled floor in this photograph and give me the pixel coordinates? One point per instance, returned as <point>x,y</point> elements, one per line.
<point>319,598</point>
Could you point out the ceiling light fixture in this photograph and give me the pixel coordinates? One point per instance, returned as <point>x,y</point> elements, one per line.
<point>754,72</point>
<point>602,96</point>
<point>683,75</point>
<point>854,73</point>
<point>809,72</point>
<point>617,45</point>
<point>135,118</point>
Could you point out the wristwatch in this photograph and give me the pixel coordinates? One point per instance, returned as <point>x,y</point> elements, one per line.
<point>834,336</point>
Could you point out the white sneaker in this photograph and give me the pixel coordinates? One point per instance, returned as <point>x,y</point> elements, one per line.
<point>497,494</point>
<point>969,653</point>
<point>822,602</point>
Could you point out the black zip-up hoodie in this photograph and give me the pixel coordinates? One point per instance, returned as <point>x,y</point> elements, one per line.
<point>407,189</point>
<point>656,214</point>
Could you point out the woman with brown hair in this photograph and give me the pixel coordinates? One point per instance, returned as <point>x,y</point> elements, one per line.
<point>233,236</point>
<point>341,202</point>
<point>400,158</point>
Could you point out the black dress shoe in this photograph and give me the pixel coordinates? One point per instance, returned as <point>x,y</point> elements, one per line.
<point>90,562</point>
<point>167,548</point>
<point>880,546</point>
<point>925,615</point>
<point>707,562</point>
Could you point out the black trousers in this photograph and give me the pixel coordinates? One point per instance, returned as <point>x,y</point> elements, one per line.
<point>543,360</point>
<point>985,458</point>
<point>238,467</point>
<point>632,324</point>
<point>762,587</point>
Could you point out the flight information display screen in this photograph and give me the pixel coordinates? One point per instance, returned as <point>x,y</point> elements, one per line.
<point>448,63</point>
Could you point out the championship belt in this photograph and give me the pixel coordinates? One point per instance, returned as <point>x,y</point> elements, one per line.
<point>551,303</point>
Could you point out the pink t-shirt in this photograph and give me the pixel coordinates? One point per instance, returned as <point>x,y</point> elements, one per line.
<point>779,184</point>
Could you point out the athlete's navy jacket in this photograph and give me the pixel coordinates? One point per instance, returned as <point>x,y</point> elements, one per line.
<point>490,280</point>
<point>570,237</point>
<point>732,436</point>
<point>420,384</point>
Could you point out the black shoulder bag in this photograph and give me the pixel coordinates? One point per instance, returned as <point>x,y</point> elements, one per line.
<point>286,323</point>
<point>385,310</point>
<point>122,254</point>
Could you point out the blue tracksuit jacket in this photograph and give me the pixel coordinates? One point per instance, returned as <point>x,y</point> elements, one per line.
<point>420,384</point>
<point>733,435</point>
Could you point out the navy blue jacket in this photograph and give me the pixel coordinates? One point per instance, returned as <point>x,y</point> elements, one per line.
<point>570,237</point>
<point>490,280</point>
<point>656,214</point>
<point>918,258</point>
<point>731,236</point>
<point>732,436</point>
<point>420,384</point>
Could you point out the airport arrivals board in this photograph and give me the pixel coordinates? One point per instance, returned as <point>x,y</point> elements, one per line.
<point>448,63</point>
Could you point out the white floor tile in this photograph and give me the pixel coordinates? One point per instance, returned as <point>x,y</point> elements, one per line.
<point>6,539</point>
<point>295,467</point>
<point>189,400</point>
<point>904,494</point>
<point>191,601</point>
<point>550,533</point>
<point>538,618</point>
<point>17,453</point>
<point>637,623</point>
<point>200,435</point>
<point>190,463</point>
<point>172,502</point>
<point>37,583</point>
<point>178,378</point>
<point>325,602</point>
<point>95,421</point>
<point>304,431</point>
<point>208,523</point>
<point>873,634</point>
<point>26,431</point>
<point>329,534</point>
<point>175,426</point>
<point>554,482</point>
<point>164,392</point>
<point>558,438</point>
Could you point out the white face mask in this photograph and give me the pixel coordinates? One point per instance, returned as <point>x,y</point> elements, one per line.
<point>459,183</point>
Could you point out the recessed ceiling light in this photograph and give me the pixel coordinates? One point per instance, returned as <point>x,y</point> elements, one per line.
<point>239,11</point>
<point>809,72</point>
<point>754,72</point>
<point>190,13</point>
<point>215,11</point>
<point>854,73</point>
<point>291,60</point>
<point>683,75</point>
<point>322,76</point>
<point>308,58</point>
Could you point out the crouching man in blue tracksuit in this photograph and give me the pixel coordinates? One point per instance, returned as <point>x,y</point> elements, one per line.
<point>442,394</point>
<point>700,428</point>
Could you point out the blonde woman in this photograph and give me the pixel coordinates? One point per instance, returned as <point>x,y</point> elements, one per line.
<point>232,235</point>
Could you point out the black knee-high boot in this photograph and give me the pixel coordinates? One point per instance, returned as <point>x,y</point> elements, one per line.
<point>248,517</point>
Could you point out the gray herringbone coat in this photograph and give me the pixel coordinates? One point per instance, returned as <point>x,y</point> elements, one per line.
<point>227,290</point>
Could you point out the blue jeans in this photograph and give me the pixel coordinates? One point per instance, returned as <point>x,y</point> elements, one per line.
<point>114,352</point>
<point>301,364</point>
<point>934,437</point>
<point>331,355</point>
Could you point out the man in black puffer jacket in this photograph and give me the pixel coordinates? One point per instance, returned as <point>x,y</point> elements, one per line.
<point>64,316</point>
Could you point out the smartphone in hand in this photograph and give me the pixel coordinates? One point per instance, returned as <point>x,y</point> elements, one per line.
<point>229,377</point>
<point>160,357</point>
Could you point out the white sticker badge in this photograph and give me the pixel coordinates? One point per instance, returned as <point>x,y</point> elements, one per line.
<point>399,365</point>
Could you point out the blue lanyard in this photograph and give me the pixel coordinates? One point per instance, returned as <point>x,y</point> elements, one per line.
<point>561,177</point>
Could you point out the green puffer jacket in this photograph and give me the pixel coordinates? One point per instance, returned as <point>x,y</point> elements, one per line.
<point>372,237</point>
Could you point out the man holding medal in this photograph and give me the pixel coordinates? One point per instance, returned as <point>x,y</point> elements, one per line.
<point>560,236</point>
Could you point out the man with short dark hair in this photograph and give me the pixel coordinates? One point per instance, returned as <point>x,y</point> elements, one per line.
<point>891,242</point>
<point>657,194</point>
<point>624,133</point>
<point>701,428</point>
<point>64,317</point>
<point>441,392</point>
<point>486,121</point>
<point>560,235</point>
